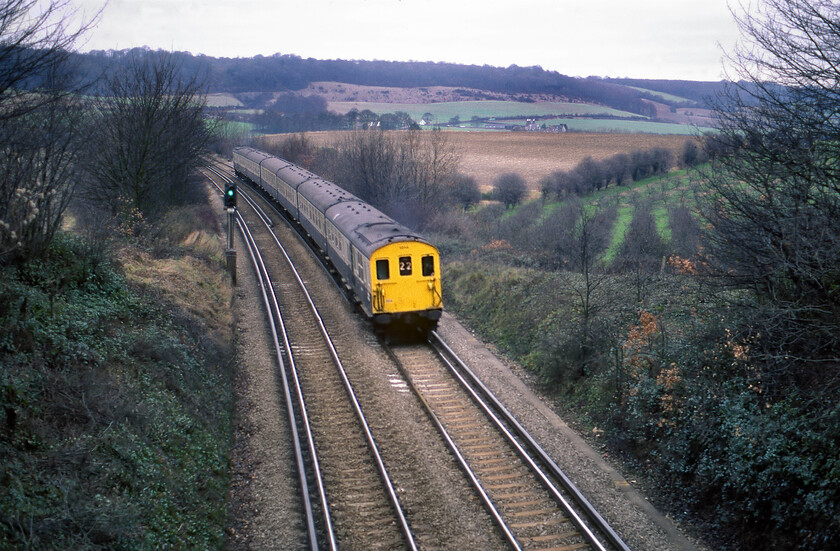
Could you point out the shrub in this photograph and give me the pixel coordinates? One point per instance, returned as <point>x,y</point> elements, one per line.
<point>464,191</point>
<point>678,394</point>
<point>510,189</point>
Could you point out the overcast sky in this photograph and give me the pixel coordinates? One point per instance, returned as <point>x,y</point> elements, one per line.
<point>673,39</point>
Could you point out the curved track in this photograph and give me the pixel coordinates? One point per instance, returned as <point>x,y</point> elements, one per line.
<point>359,506</point>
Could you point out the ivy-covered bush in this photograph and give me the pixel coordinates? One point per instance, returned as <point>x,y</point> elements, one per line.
<point>114,433</point>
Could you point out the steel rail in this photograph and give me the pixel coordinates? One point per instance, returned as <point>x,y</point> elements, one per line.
<point>274,312</point>
<point>577,496</point>
<point>459,457</point>
<point>380,463</point>
<point>580,500</point>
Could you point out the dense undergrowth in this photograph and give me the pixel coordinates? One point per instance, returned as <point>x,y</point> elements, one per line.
<point>669,384</point>
<point>115,396</point>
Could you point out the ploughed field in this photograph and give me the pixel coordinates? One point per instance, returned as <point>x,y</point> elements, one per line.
<point>486,155</point>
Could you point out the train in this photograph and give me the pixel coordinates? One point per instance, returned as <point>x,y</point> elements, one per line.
<point>390,271</point>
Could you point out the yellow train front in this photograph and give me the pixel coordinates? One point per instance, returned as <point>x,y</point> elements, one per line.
<point>393,271</point>
<point>405,286</point>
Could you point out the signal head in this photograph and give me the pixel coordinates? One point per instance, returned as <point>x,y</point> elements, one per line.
<point>230,196</point>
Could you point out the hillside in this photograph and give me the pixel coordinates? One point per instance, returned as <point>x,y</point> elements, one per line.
<point>286,93</point>
<point>279,73</point>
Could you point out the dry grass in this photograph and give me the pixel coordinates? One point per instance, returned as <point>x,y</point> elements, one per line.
<point>486,155</point>
<point>189,283</point>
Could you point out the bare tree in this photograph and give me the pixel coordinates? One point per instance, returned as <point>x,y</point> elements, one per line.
<point>464,191</point>
<point>295,148</point>
<point>580,349</point>
<point>590,236</point>
<point>403,173</point>
<point>36,40</point>
<point>692,154</point>
<point>150,132</point>
<point>548,186</point>
<point>619,168</point>
<point>38,171</point>
<point>775,212</point>
<point>441,160</point>
<point>40,122</point>
<point>643,251</point>
<point>366,164</point>
<point>593,173</point>
<point>685,232</point>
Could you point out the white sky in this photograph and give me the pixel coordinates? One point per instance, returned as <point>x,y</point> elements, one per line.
<point>673,39</point>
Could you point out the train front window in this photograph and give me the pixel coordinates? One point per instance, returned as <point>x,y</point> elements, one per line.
<point>382,269</point>
<point>405,265</point>
<point>427,263</point>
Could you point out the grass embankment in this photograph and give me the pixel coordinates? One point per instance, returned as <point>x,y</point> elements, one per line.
<point>116,395</point>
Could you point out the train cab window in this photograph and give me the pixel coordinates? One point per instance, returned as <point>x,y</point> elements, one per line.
<point>383,271</point>
<point>405,265</point>
<point>427,263</point>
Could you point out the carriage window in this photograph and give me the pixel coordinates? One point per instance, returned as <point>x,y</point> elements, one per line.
<point>405,265</point>
<point>428,266</point>
<point>382,269</point>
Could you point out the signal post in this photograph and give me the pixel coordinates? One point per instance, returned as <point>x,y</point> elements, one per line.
<point>230,252</point>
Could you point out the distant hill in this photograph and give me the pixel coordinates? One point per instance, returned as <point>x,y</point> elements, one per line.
<point>279,73</point>
<point>690,91</point>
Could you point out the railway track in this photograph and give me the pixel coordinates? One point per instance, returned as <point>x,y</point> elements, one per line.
<point>532,503</point>
<point>349,499</point>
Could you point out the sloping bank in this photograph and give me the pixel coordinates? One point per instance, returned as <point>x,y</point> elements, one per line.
<point>115,395</point>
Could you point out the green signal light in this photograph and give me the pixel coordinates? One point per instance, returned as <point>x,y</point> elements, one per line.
<point>230,196</point>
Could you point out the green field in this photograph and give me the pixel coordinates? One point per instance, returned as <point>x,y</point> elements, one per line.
<point>663,95</point>
<point>235,127</point>
<point>615,126</point>
<point>466,110</point>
